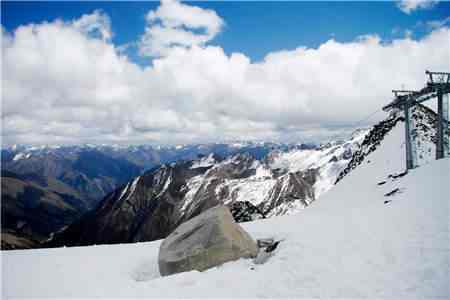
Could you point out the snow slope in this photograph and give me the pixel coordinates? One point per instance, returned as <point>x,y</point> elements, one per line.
<point>329,161</point>
<point>350,244</point>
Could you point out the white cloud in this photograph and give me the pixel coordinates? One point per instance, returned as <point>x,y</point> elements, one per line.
<point>97,23</point>
<point>177,24</point>
<point>65,85</point>
<point>408,6</point>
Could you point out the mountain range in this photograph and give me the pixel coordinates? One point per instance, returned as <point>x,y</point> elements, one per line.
<point>83,195</point>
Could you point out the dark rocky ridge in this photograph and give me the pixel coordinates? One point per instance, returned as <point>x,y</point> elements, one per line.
<point>372,140</point>
<point>33,208</point>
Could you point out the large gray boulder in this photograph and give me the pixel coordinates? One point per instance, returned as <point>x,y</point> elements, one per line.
<point>207,240</point>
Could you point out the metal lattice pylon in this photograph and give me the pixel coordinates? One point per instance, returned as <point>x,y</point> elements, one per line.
<point>446,125</point>
<point>438,86</point>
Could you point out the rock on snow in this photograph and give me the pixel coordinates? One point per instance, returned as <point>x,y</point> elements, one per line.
<point>205,241</point>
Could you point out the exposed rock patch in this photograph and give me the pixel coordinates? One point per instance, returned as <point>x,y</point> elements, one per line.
<point>245,211</point>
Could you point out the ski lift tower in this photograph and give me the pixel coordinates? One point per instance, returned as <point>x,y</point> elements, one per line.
<point>437,86</point>
<point>440,82</point>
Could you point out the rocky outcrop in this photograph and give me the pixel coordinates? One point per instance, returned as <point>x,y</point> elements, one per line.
<point>214,190</point>
<point>245,211</point>
<point>205,241</point>
<point>424,123</point>
<point>290,188</point>
<point>13,240</point>
<point>370,143</point>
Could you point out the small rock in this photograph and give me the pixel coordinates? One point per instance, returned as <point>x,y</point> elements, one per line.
<point>272,247</point>
<point>262,243</point>
<point>391,193</point>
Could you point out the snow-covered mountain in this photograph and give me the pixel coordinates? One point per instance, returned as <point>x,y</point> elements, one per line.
<point>148,156</point>
<point>379,233</point>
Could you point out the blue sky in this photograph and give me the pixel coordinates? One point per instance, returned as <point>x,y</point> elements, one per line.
<point>253,28</point>
<point>176,72</point>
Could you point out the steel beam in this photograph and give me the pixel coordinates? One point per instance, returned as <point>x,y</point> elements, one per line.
<point>440,126</point>
<point>446,125</point>
<point>408,149</point>
<point>419,97</point>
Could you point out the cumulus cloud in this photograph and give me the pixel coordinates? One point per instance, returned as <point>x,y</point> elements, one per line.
<point>176,24</point>
<point>97,23</point>
<point>66,85</point>
<point>408,6</point>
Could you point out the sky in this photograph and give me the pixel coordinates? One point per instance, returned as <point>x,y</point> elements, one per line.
<point>175,72</point>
